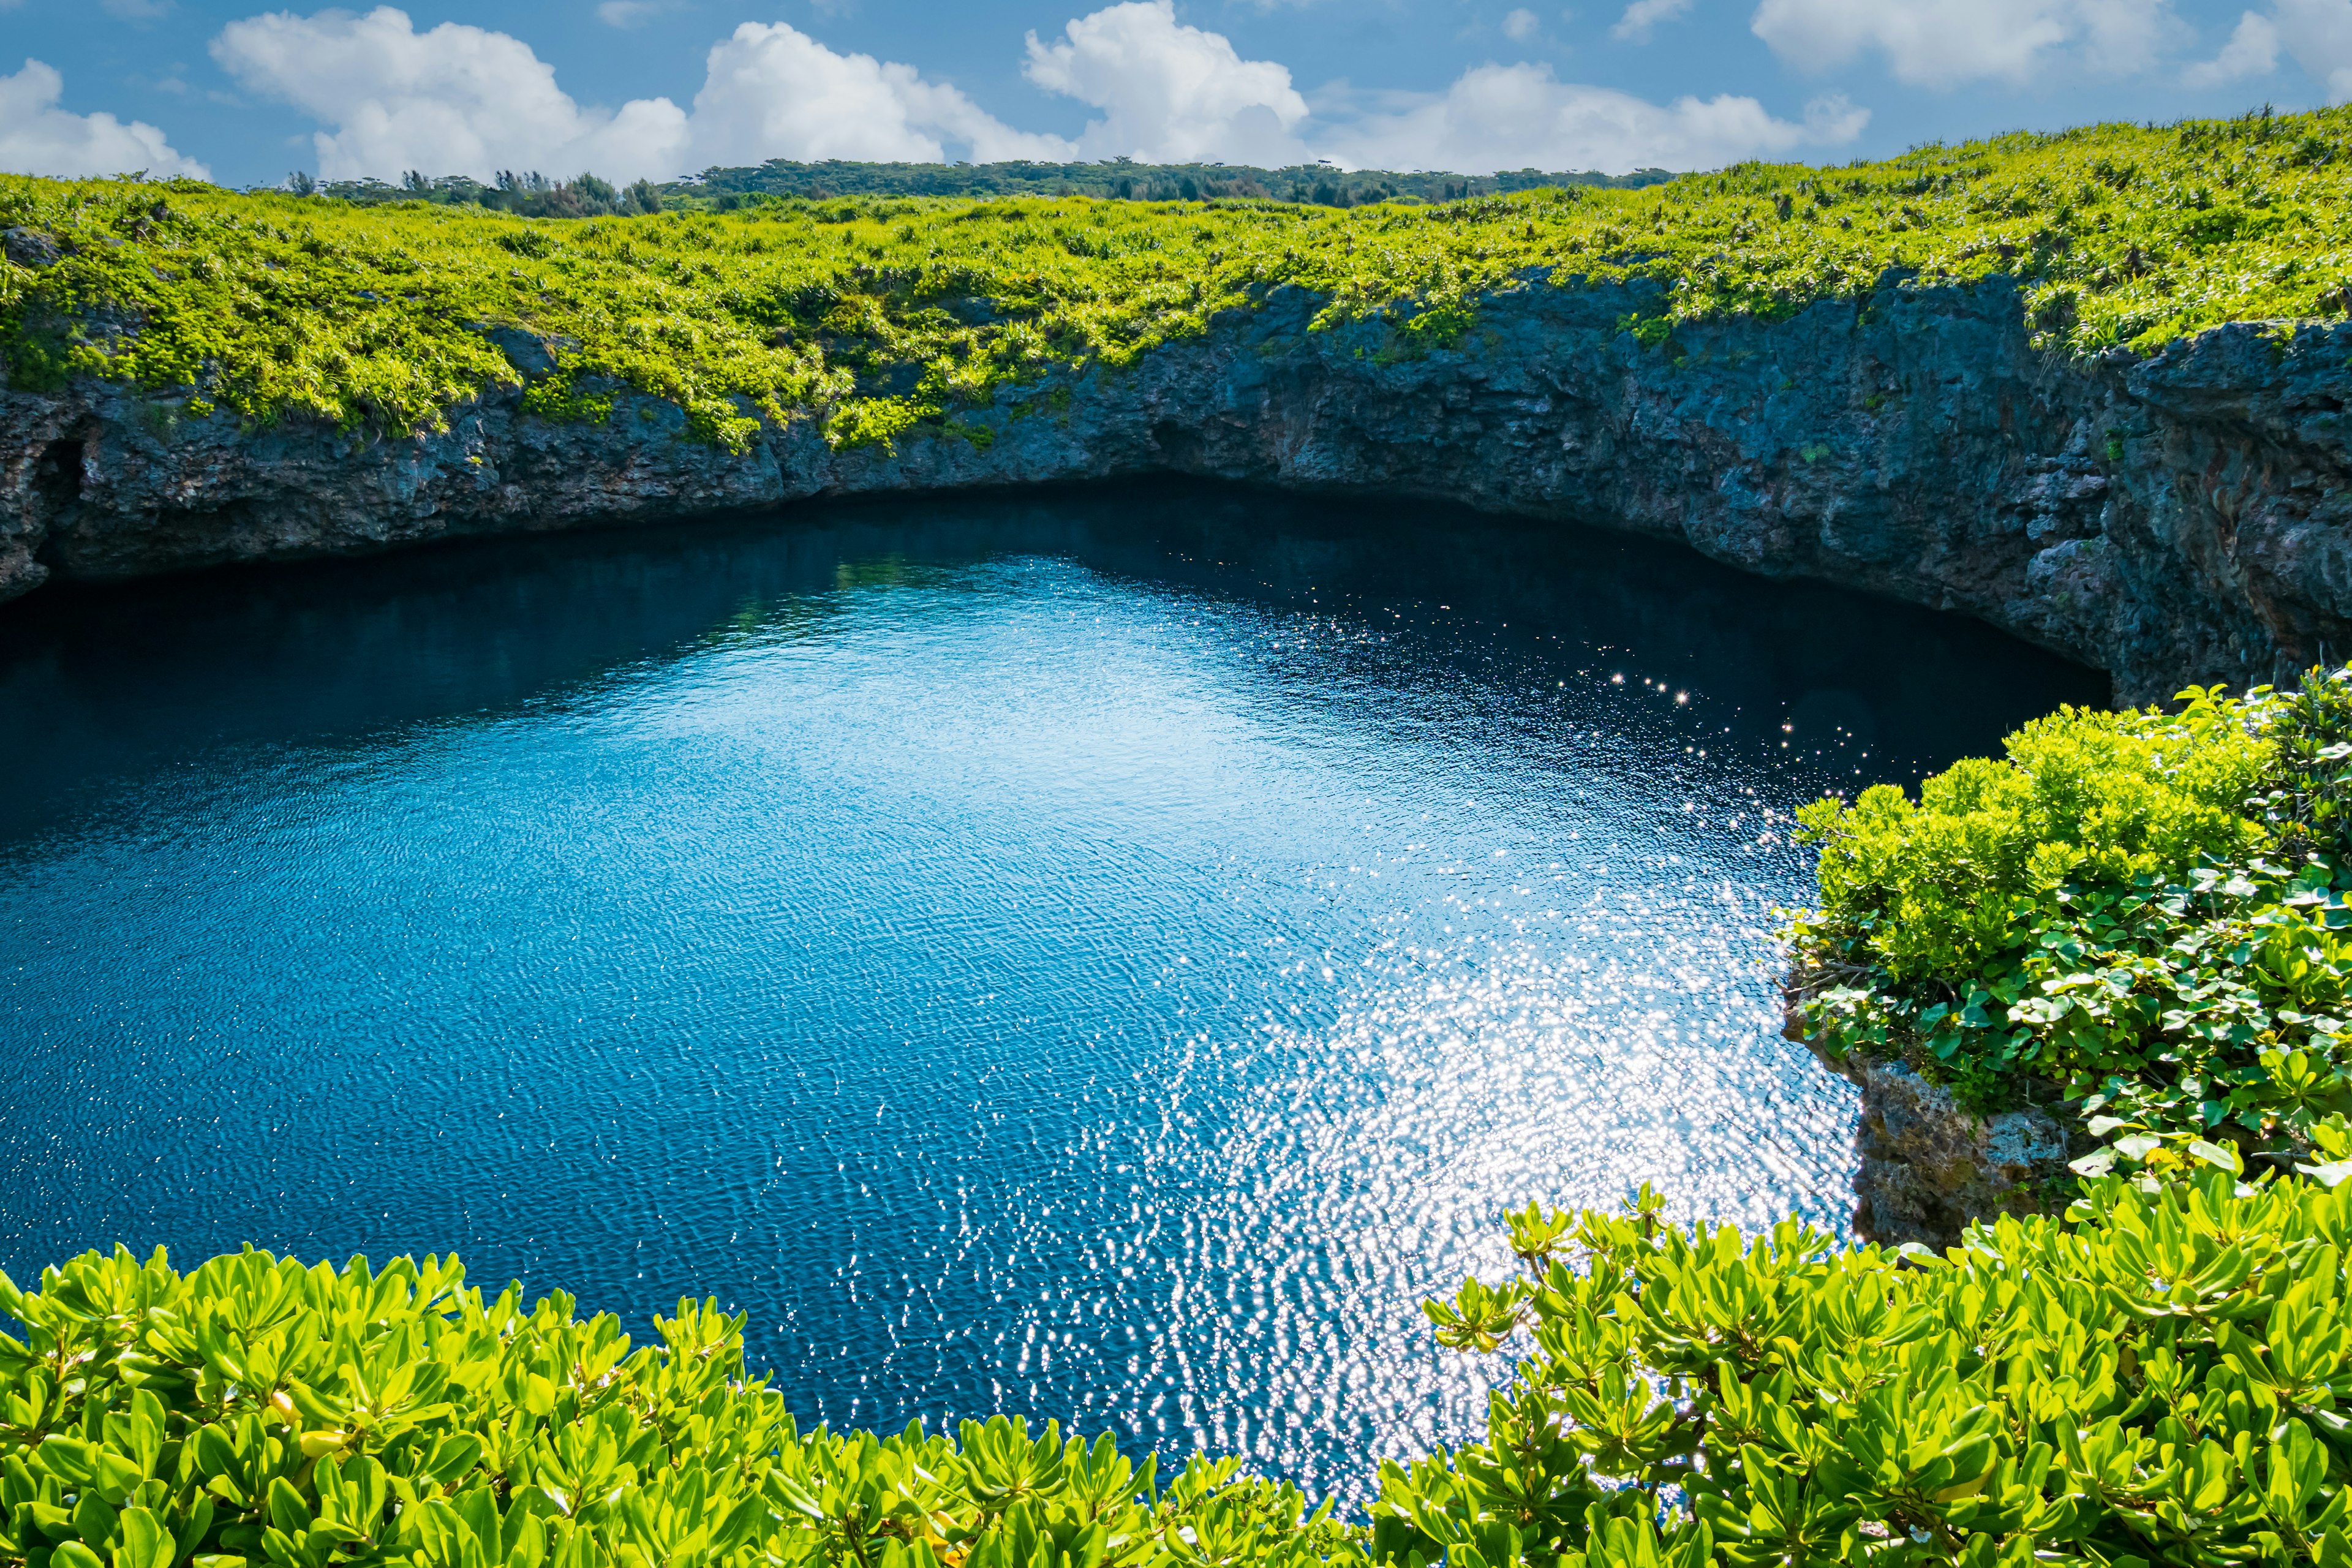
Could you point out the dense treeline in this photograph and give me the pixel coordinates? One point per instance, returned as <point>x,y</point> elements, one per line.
<point>530,195</point>
<point>534,195</point>
<point>882,316</point>
<point>1120,179</point>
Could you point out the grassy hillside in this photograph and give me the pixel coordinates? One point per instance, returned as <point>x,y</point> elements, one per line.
<point>877,315</point>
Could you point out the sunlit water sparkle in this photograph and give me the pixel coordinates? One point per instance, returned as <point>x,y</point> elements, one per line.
<point>1106,959</point>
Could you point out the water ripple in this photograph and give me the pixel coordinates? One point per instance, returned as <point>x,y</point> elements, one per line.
<point>1108,960</point>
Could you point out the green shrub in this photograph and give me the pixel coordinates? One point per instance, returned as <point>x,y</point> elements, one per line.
<point>2143,914</point>
<point>256,1411</point>
<point>2163,1380</point>
<point>2084,798</point>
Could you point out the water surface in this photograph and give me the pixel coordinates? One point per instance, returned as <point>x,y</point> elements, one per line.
<point>1103,957</point>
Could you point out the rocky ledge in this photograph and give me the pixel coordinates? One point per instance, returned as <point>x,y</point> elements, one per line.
<point>2169,519</point>
<point>1928,1167</point>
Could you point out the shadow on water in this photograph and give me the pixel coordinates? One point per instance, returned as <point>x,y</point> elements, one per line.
<point>1103,955</point>
<point>348,648</point>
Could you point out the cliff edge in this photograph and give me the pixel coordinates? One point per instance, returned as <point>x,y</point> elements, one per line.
<point>2172,519</point>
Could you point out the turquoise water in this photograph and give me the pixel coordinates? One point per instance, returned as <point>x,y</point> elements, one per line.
<point>1106,957</point>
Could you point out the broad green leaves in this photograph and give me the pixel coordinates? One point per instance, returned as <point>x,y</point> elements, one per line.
<point>2141,913</point>
<point>257,1413</point>
<point>2160,1382</point>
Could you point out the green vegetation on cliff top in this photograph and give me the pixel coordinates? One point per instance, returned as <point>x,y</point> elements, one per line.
<point>878,316</point>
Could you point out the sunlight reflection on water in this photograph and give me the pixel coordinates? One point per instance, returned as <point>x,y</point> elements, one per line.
<point>1108,960</point>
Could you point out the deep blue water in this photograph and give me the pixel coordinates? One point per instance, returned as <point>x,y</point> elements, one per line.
<point>1105,957</point>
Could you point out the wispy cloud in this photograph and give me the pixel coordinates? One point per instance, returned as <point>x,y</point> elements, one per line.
<point>630,13</point>
<point>1644,15</point>
<point>1944,43</point>
<point>2317,33</point>
<point>1511,117</point>
<point>2252,50</point>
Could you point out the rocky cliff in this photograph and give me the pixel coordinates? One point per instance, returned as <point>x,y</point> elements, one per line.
<point>1925,1168</point>
<point>2169,519</point>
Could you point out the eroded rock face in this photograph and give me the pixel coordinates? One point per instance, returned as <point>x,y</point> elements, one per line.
<point>2175,519</point>
<point>1929,1167</point>
<point>28,248</point>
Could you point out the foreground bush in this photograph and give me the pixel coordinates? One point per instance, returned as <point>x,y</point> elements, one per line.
<point>2142,913</point>
<point>255,1411</point>
<point>2162,1380</point>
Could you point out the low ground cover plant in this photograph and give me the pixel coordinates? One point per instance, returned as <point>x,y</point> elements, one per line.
<point>878,317</point>
<point>2158,1378</point>
<point>2141,915</point>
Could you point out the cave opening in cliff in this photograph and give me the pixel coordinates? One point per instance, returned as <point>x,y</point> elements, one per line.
<point>56,475</point>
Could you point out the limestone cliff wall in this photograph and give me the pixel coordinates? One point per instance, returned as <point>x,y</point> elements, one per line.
<point>2177,517</point>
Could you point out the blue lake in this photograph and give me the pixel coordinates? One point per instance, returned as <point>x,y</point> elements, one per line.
<point>1104,957</point>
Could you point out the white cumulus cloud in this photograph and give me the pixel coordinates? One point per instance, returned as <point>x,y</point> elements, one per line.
<point>1521,26</point>
<point>461,99</point>
<point>1169,93</point>
<point>2252,50</point>
<point>772,92</point>
<point>456,99</point>
<point>1644,15</point>
<point>36,137</point>
<point>1519,116</point>
<point>1942,43</point>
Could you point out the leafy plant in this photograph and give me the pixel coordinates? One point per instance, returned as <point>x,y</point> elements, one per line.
<point>255,1411</point>
<point>2084,798</point>
<point>2161,1379</point>
<point>2142,913</point>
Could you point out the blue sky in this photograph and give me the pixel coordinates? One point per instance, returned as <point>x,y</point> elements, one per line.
<point>631,88</point>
